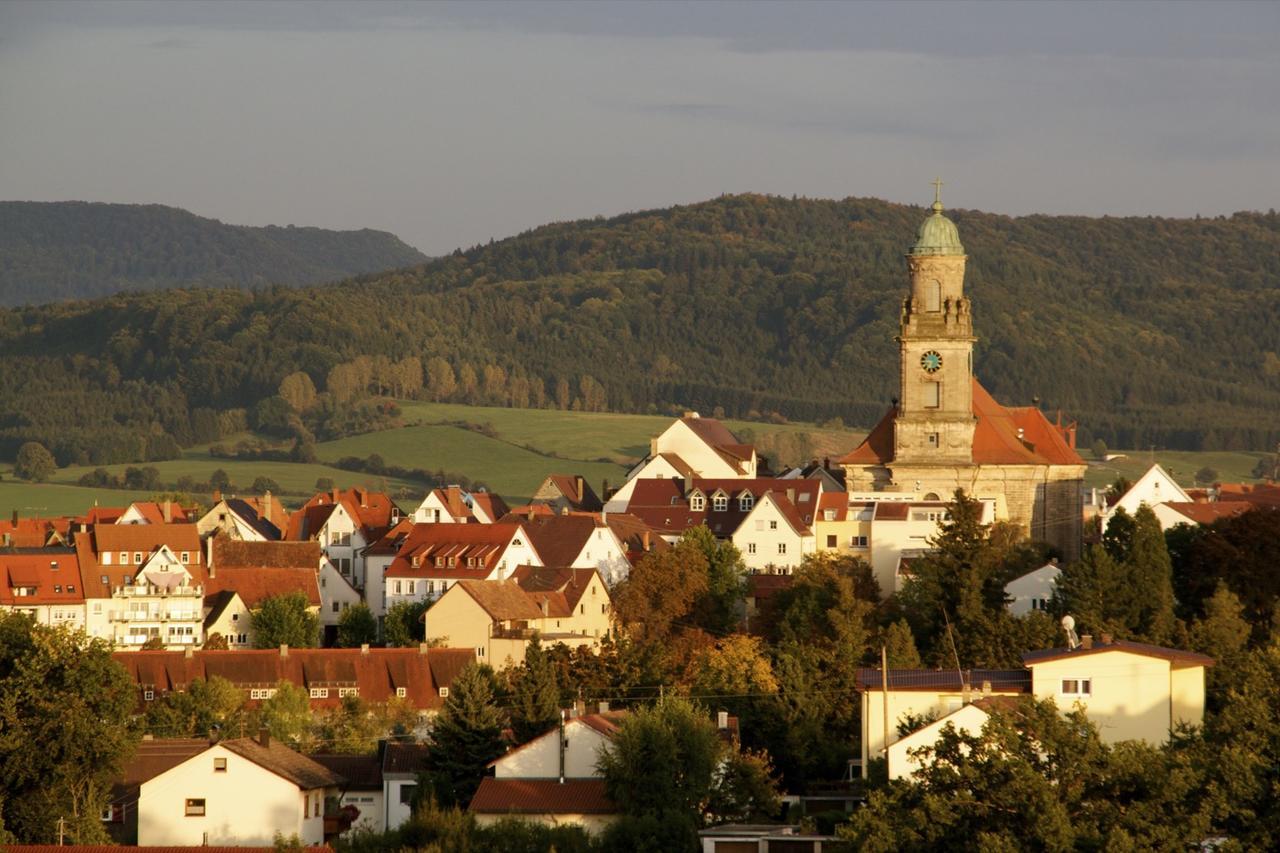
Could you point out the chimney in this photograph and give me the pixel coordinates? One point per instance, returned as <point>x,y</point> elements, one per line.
<point>168,511</point>
<point>986,688</point>
<point>691,415</point>
<point>188,653</point>
<point>266,505</point>
<point>264,736</point>
<point>284,650</point>
<point>217,495</point>
<point>336,495</point>
<point>604,706</point>
<point>15,518</point>
<point>363,495</point>
<point>213,735</point>
<point>722,720</point>
<point>1086,641</point>
<point>791,495</point>
<point>582,487</point>
<point>653,447</point>
<point>422,648</point>
<point>644,540</point>
<point>1106,639</point>
<point>364,648</point>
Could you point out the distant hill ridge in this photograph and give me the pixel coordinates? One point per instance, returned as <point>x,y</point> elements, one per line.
<point>70,250</point>
<point>1147,331</point>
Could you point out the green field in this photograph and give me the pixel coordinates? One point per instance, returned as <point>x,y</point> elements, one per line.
<point>1182,465</point>
<point>52,499</point>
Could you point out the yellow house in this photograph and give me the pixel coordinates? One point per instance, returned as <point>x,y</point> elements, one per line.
<point>842,526</point>
<point>498,618</point>
<point>1130,691</point>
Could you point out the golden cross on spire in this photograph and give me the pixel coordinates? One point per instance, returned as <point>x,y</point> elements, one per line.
<point>937,191</point>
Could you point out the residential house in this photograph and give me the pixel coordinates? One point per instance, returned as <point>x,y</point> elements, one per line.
<point>35,532</point>
<point>43,583</point>
<point>670,507</point>
<point>345,523</point>
<point>1129,691</point>
<point>777,532</point>
<point>966,720</point>
<point>378,557</point>
<point>498,618</point>
<point>241,574</point>
<point>401,764</point>
<point>150,512</point>
<point>261,519</point>
<point>433,557</point>
<point>902,529</point>
<point>692,447</point>
<point>1172,513</point>
<point>1153,487</point>
<point>553,779</point>
<point>361,789</point>
<point>143,582</point>
<point>579,541</point>
<point>418,676</point>
<point>1034,590</point>
<point>189,792</point>
<point>567,493</point>
<point>842,526</point>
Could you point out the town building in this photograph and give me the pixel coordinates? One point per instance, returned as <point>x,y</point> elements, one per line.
<point>692,447</point>
<point>43,583</point>
<point>452,505</point>
<point>250,519</point>
<point>567,493</point>
<point>380,787</point>
<point>1034,590</point>
<point>242,574</point>
<point>433,557</point>
<point>345,523</point>
<point>945,432</point>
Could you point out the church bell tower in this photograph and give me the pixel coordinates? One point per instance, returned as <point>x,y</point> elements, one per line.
<point>935,422</point>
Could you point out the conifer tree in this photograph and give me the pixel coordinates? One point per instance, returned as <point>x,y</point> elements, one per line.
<point>1150,579</point>
<point>535,695</point>
<point>467,735</point>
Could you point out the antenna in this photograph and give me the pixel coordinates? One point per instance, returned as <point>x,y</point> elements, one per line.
<point>1069,625</point>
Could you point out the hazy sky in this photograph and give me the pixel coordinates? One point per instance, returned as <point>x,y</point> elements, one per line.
<point>449,124</point>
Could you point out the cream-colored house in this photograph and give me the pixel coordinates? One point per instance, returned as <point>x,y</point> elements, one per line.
<point>582,540</point>
<point>903,529</point>
<point>43,583</point>
<point>842,526</point>
<point>242,792</point>
<point>1034,590</point>
<point>498,618</point>
<point>433,557</point>
<point>777,532</point>
<point>1129,691</point>
<point>1153,487</point>
<point>693,446</point>
<point>245,519</point>
<point>967,720</point>
<point>553,779</point>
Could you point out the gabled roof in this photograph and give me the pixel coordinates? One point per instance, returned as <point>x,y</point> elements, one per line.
<point>233,554</point>
<point>559,539</point>
<point>35,532</point>
<point>572,584</point>
<point>408,758</point>
<point>146,538</point>
<point>284,762</point>
<point>255,584</point>
<point>1208,513</point>
<point>711,431</point>
<point>54,574</point>
<point>799,520</point>
<point>541,796</point>
<point>484,543</point>
<point>154,512</point>
<point>248,512</point>
<point>837,502</point>
<point>490,504</point>
<point>995,437</point>
<point>361,772</point>
<point>502,600</point>
<point>1177,657</point>
<point>663,505</point>
<point>372,512</point>
<point>574,489</point>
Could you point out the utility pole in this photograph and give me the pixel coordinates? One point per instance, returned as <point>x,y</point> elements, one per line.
<point>884,688</point>
<point>62,829</point>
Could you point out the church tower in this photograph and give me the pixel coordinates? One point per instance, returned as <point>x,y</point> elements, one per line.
<point>935,419</point>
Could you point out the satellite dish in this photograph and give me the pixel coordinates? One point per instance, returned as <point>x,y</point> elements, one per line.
<point>1069,625</point>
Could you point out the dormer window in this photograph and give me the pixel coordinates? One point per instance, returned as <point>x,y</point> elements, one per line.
<point>828,515</point>
<point>439,562</point>
<point>451,562</point>
<point>746,502</point>
<point>186,557</point>
<point>124,558</point>
<point>720,502</point>
<point>697,503</point>
<point>416,561</point>
<point>137,558</point>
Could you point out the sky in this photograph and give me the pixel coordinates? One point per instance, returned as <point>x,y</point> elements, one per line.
<point>450,124</point>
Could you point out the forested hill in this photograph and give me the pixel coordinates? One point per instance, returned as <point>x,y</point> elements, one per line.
<point>1145,330</point>
<point>68,250</point>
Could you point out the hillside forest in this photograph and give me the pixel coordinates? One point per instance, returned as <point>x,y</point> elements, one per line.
<point>1146,331</point>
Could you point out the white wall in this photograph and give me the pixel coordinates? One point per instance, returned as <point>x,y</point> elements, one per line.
<point>540,758</point>
<point>1035,586</point>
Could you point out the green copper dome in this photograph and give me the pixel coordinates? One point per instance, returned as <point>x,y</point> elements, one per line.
<point>938,235</point>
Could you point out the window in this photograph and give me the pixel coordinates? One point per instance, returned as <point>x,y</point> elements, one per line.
<point>933,297</point>
<point>858,541</point>
<point>831,541</point>
<point>396,587</point>
<point>751,547</point>
<point>128,580</point>
<point>194,808</point>
<point>932,439</point>
<point>219,765</point>
<point>431,587</point>
<point>932,395</point>
<point>773,525</point>
<point>411,587</point>
<point>335,607</point>
<point>148,694</point>
<point>697,503</point>
<point>137,558</point>
<point>106,580</point>
<point>746,502</point>
<point>406,793</point>
<point>71,587</point>
<point>57,587</point>
<point>124,558</point>
<point>582,608</point>
<point>782,547</point>
<point>451,562</point>
<point>479,651</point>
<point>315,811</point>
<point>344,692</point>
<point>720,503</point>
<point>319,692</point>
<point>444,692</point>
<point>401,692</point>
<point>106,558</point>
<point>186,557</point>
<point>759,524</point>
<point>1077,686</point>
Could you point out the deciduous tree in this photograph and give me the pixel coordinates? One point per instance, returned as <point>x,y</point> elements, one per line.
<point>285,620</point>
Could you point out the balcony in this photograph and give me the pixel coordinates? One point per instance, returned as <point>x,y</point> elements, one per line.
<point>144,591</point>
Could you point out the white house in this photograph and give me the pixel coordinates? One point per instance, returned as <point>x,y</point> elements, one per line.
<point>345,523</point>
<point>903,529</point>
<point>1033,590</point>
<point>433,557</point>
<point>1153,487</point>
<point>692,446</point>
<point>777,532</point>
<point>580,541</point>
<point>243,792</point>
<point>967,720</point>
<point>43,583</point>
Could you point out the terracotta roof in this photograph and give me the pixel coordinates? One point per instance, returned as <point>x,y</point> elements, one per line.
<point>663,505</point>
<point>307,521</point>
<point>995,437</point>
<point>1206,513</point>
<point>255,584</point>
<point>101,515</point>
<point>1254,493</point>
<point>154,512</point>
<point>492,505</point>
<point>762,586</point>
<point>559,539</point>
<point>234,554</point>
<point>377,672</point>
<point>677,462</point>
<point>484,543</point>
<point>1004,680</point>
<point>132,539</point>
<point>606,723</point>
<point>1177,657</point>
<point>146,537</point>
<point>572,584</point>
<point>361,772</point>
<point>797,518</point>
<point>711,431</point>
<point>502,600</point>
<point>34,532</point>
<point>836,501</point>
<point>567,485</point>
<point>284,762</point>
<point>249,512</point>
<point>541,796</point>
<point>54,574</point>
<point>637,536</point>
<point>370,510</point>
<point>390,541</point>
<point>408,758</point>
<point>150,759</point>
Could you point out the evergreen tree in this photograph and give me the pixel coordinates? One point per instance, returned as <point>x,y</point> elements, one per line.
<point>1094,592</point>
<point>1118,537</point>
<point>465,737</point>
<point>900,646</point>
<point>535,695</point>
<point>1150,579</point>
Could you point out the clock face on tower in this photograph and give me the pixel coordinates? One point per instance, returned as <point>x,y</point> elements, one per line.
<point>931,362</point>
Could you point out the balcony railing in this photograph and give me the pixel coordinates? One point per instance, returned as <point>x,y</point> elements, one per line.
<point>135,590</point>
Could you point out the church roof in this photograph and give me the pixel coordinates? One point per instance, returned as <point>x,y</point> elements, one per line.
<point>1003,435</point>
<point>938,235</point>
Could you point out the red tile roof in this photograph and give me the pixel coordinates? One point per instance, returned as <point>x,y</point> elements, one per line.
<point>995,437</point>
<point>502,600</point>
<point>559,539</point>
<point>1255,493</point>
<point>377,673</point>
<point>255,584</point>
<point>1208,513</point>
<point>710,430</point>
<point>484,544</point>
<point>492,505</point>
<point>53,574</point>
<point>541,796</point>
<point>836,501</point>
<point>361,772</point>
<point>284,762</point>
<point>663,505</point>
<point>154,512</point>
<point>34,532</point>
<point>570,584</point>
<point>764,586</point>
<point>584,500</point>
<point>131,539</point>
<point>407,758</point>
<point>234,554</point>
<point>371,511</point>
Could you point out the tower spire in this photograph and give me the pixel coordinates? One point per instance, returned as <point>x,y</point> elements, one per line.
<point>937,194</point>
